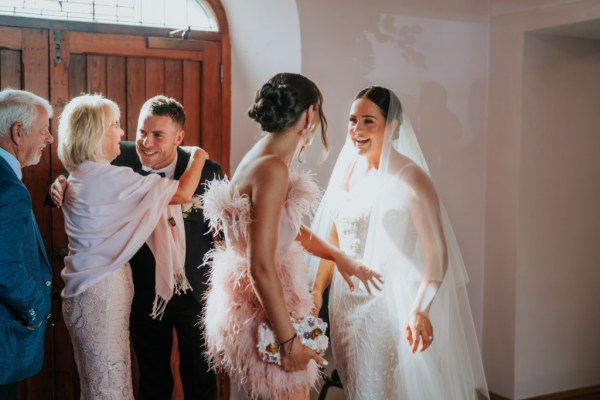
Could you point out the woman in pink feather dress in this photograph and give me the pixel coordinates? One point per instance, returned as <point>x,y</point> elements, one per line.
<point>258,274</point>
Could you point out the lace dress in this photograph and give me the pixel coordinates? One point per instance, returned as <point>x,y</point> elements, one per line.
<point>98,321</point>
<point>368,340</point>
<point>362,339</point>
<point>233,312</point>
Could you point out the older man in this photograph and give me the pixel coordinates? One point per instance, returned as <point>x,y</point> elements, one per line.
<point>25,273</point>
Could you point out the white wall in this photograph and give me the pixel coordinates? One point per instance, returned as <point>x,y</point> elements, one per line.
<point>523,351</point>
<point>558,275</point>
<point>459,70</point>
<point>265,40</point>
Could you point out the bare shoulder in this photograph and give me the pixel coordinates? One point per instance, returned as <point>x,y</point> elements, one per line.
<point>265,173</point>
<point>271,169</point>
<point>269,183</point>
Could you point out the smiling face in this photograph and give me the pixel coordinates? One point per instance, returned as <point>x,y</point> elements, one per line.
<point>157,139</point>
<point>111,137</point>
<point>35,141</point>
<point>366,127</point>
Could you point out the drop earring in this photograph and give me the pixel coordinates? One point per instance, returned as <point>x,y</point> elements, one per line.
<point>308,134</point>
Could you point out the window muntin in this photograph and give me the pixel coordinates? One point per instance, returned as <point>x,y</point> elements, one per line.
<point>172,14</point>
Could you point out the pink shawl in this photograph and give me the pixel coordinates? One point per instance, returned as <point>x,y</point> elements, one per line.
<point>109,213</point>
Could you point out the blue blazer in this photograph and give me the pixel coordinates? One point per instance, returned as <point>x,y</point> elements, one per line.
<point>25,282</point>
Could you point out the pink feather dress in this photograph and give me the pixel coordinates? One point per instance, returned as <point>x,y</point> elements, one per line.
<point>233,312</point>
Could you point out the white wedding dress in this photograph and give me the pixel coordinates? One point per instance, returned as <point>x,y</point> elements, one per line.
<point>362,338</point>
<point>401,230</point>
<point>368,337</point>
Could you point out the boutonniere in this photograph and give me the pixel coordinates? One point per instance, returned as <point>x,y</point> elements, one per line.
<point>192,206</point>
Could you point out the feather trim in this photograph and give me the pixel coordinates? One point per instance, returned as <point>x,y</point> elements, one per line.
<point>303,198</point>
<point>232,317</point>
<point>219,205</point>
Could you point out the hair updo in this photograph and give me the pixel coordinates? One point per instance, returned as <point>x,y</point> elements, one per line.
<point>280,102</point>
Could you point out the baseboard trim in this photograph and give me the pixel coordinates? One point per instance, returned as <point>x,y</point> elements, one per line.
<point>574,394</point>
<point>570,394</point>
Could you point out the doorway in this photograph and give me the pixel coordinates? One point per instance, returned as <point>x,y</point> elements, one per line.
<point>128,65</point>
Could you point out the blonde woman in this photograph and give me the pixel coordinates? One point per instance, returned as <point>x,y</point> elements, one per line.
<point>109,213</point>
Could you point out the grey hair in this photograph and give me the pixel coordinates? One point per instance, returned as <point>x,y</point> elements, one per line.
<point>20,106</point>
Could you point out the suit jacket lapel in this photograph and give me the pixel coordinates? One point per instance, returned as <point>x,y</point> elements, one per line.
<point>182,161</point>
<point>136,164</point>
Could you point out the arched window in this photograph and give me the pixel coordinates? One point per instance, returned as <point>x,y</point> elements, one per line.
<point>172,14</point>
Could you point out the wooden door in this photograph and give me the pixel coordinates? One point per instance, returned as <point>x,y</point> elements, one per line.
<point>59,64</point>
<point>24,65</point>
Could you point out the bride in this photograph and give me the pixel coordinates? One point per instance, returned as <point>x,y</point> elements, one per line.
<point>415,339</point>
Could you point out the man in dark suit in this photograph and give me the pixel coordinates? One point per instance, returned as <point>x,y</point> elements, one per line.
<point>160,131</point>
<point>156,149</point>
<point>25,272</point>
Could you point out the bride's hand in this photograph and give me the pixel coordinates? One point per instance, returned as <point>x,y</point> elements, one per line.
<point>349,267</point>
<point>419,331</point>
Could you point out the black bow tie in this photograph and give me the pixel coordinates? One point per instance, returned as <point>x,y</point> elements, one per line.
<point>144,173</point>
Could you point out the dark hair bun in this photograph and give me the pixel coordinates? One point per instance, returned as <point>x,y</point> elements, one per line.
<point>274,107</point>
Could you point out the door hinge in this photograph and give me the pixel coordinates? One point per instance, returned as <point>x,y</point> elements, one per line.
<point>57,56</point>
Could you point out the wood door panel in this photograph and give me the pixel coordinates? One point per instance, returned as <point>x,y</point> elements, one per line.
<point>136,92</point>
<point>11,38</point>
<point>155,77</point>
<point>125,45</point>
<point>191,102</point>
<point>174,79</point>
<point>77,75</point>
<point>10,68</point>
<point>116,88</point>
<point>211,89</point>
<point>96,74</point>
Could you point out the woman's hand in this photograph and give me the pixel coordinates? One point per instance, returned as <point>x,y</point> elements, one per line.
<point>200,153</point>
<point>295,356</point>
<point>196,152</point>
<point>419,331</point>
<point>349,267</point>
<point>57,190</point>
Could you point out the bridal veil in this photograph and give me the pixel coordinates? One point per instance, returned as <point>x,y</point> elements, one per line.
<point>451,368</point>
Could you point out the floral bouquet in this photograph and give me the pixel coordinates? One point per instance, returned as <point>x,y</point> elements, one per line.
<point>310,330</point>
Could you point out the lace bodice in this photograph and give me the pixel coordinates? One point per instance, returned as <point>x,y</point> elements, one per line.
<point>351,218</point>
<point>352,223</point>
